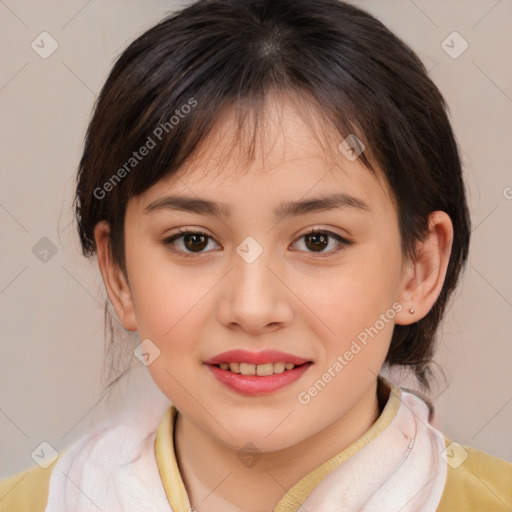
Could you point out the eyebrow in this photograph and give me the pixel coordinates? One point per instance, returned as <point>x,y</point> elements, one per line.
<point>292,208</point>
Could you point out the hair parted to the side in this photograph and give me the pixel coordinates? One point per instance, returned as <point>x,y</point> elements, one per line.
<point>217,54</point>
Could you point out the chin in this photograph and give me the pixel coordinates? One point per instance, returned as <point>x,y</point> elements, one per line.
<point>260,437</point>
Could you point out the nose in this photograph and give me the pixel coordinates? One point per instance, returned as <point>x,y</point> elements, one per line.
<point>255,298</point>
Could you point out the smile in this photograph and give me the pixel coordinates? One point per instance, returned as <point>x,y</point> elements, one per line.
<point>257,373</point>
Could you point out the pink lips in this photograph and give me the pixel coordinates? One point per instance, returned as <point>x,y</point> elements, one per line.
<point>262,357</point>
<point>254,385</point>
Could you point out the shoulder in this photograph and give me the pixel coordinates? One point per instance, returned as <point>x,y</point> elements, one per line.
<point>475,481</point>
<point>26,491</point>
<point>119,439</point>
<point>29,490</point>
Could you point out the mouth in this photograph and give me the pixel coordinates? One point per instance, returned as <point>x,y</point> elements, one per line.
<point>257,373</point>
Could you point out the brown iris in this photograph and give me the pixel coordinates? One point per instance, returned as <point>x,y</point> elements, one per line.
<point>319,241</point>
<point>197,241</point>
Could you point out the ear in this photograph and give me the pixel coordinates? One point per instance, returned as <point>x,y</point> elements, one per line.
<point>114,279</point>
<point>424,277</point>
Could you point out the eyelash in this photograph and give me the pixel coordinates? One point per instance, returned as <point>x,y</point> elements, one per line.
<point>344,243</point>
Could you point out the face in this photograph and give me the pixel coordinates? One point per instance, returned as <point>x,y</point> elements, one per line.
<point>262,269</point>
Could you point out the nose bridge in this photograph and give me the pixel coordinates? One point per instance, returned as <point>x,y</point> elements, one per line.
<point>254,297</point>
<point>252,277</point>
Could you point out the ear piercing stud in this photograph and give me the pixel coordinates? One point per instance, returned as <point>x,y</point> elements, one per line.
<point>411,311</point>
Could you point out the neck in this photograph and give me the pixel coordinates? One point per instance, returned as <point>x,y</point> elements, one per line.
<point>225,485</point>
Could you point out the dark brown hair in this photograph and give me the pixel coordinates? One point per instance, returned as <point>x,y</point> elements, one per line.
<point>174,80</point>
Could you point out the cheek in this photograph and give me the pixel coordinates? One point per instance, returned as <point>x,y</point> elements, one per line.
<point>171,313</point>
<point>166,297</point>
<point>355,302</point>
<point>164,308</point>
<point>360,317</point>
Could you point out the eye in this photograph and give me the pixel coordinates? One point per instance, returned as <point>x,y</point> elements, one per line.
<point>195,242</point>
<point>192,240</point>
<point>317,240</point>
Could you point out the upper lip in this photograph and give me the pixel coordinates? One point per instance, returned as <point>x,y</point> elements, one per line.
<point>260,357</point>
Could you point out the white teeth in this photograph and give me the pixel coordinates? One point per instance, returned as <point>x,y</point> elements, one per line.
<point>247,369</point>
<point>234,367</point>
<point>279,367</point>
<point>263,370</point>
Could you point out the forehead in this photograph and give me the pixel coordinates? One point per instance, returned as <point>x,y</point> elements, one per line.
<point>291,153</point>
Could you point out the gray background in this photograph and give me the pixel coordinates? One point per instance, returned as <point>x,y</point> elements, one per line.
<point>51,311</point>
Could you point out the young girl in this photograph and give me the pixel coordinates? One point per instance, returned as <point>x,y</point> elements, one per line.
<point>275,197</point>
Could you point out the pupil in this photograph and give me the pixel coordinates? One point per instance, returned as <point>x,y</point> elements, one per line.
<point>317,238</point>
<point>199,242</point>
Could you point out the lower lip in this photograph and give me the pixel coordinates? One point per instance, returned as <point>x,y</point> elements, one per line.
<point>254,385</point>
